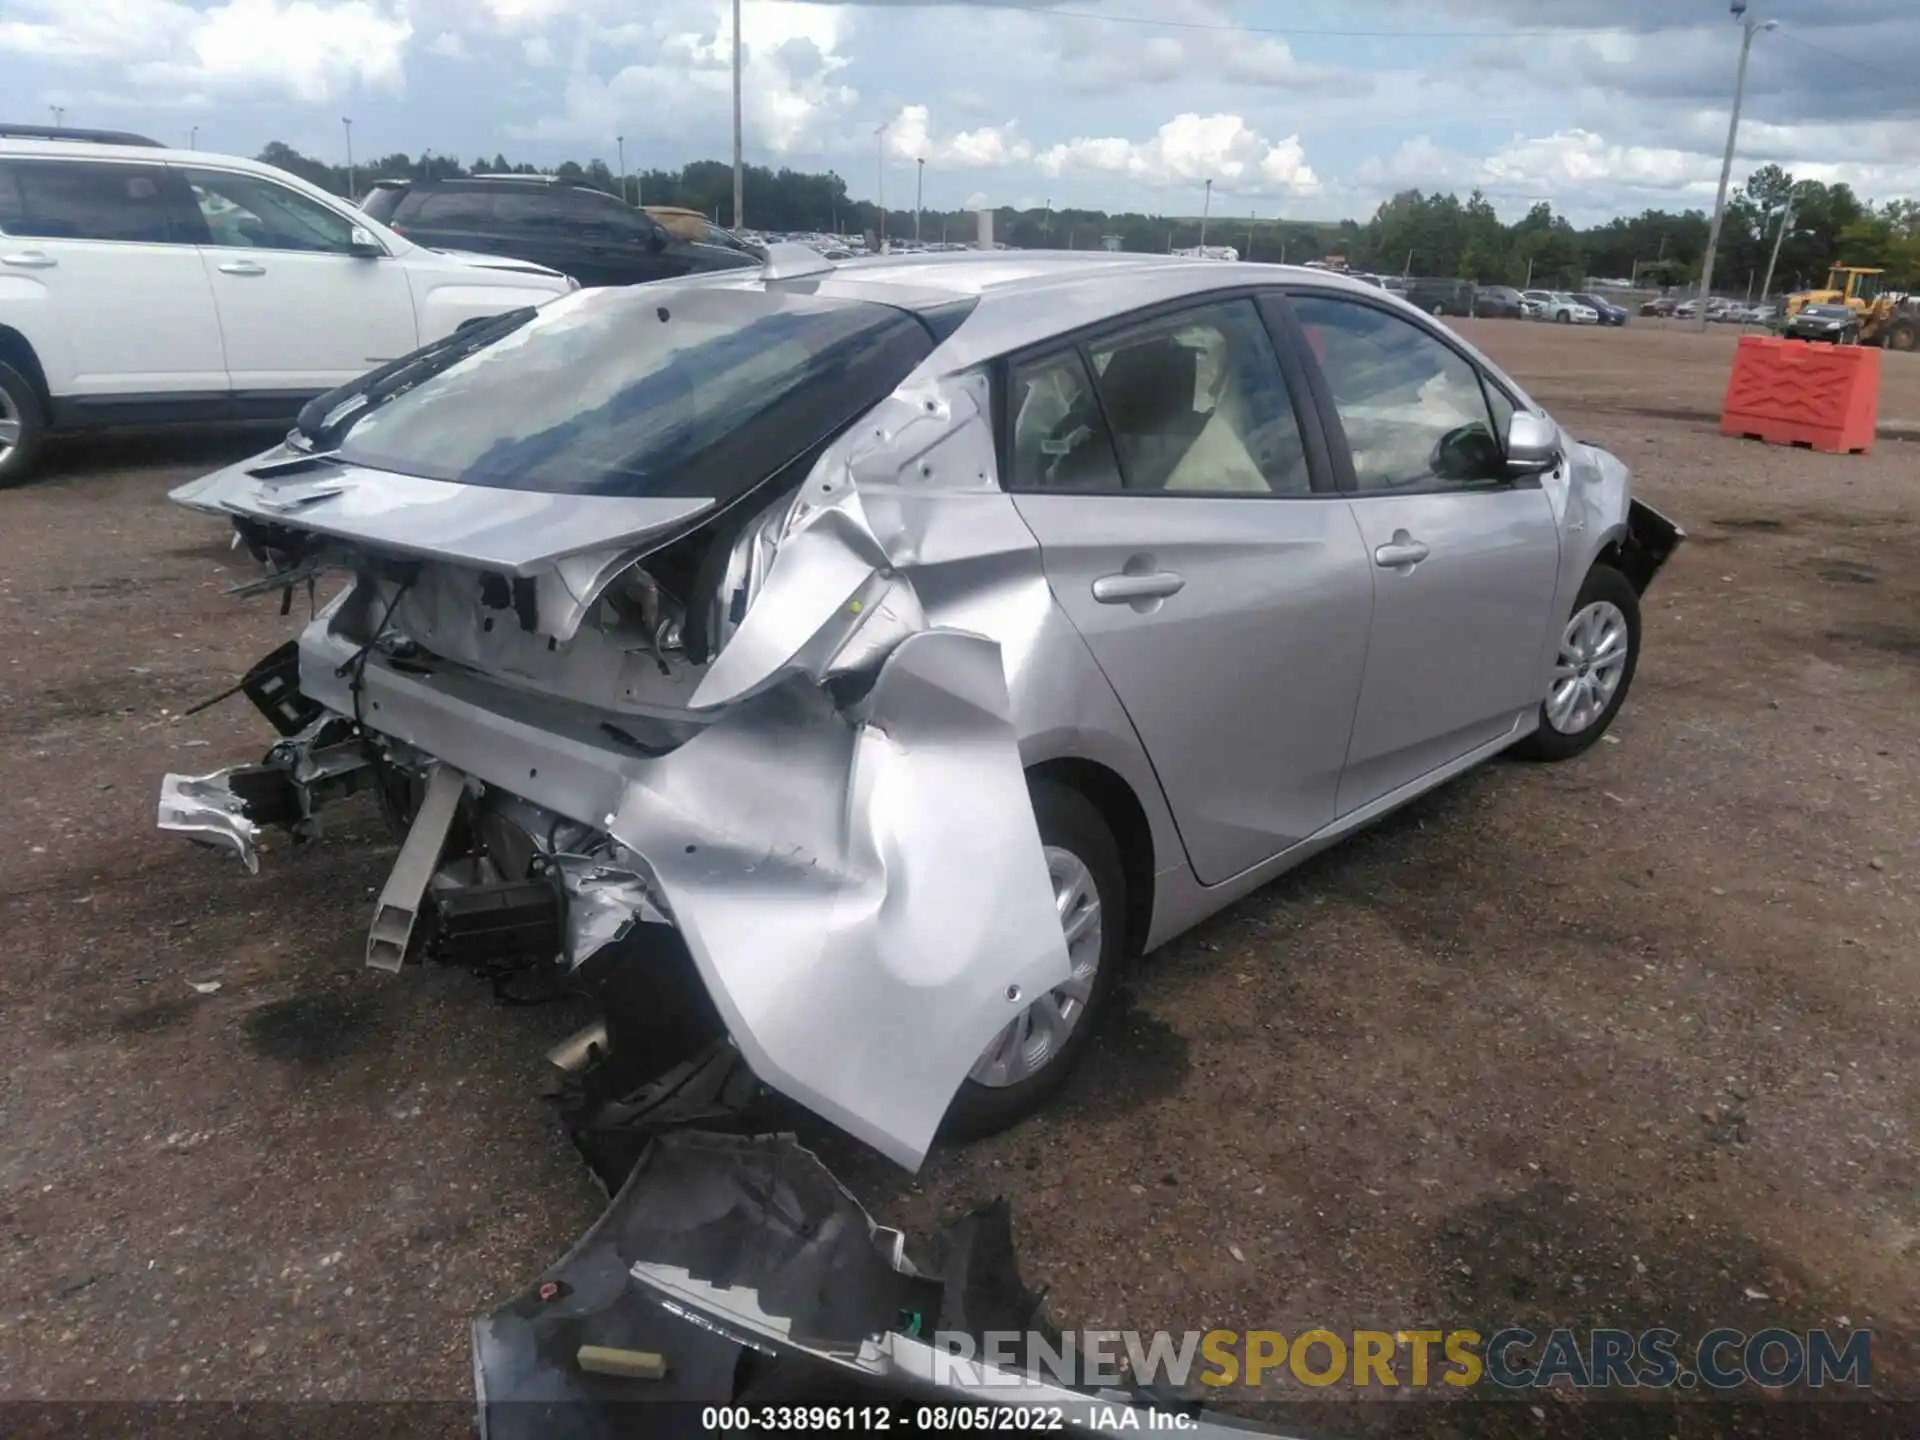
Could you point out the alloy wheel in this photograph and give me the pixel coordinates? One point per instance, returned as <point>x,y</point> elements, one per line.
<point>1593,657</point>
<point>1030,1041</point>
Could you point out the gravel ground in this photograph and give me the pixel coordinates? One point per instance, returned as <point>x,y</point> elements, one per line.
<point>1627,1040</point>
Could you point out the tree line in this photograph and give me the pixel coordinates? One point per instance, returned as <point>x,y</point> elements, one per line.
<point>1813,224</point>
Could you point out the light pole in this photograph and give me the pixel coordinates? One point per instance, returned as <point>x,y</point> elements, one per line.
<point>59,115</point>
<point>1250,219</point>
<point>346,123</point>
<point>1749,27</point>
<point>1046,225</point>
<point>739,174</point>
<point>1205,207</point>
<point>919,185</point>
<point>620,150</point>
<point>880,178</point>
<point>1773,259</point>
<point>193,137</point>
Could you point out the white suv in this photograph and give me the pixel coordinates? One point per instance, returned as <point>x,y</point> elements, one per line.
<point>140,285</point>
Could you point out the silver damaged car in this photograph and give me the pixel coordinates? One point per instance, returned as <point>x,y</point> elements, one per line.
<point>837,671</point>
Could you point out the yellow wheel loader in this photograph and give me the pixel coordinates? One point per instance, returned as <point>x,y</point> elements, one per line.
<point>1884,320</point>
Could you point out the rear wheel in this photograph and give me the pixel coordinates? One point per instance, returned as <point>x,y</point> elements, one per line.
<point>22,426</point>
<point>1565,317</point>
<point>1032,1056</point>
<point>1599,649</point>
<point>1901,334</point>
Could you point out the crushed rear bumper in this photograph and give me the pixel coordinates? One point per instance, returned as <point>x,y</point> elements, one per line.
<point>756,1281</point>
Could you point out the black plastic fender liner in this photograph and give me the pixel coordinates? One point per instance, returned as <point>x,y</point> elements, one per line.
<point>1649,543</point>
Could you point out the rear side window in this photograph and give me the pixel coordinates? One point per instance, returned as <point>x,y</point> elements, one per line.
<point>382,201</point>
<point>450,210</point>
<point>531,210</point>
<point>690,392</point>
<point>1198,404</point>
<point>59,200</point>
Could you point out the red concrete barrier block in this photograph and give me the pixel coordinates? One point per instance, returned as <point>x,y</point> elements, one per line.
<point>1794,392</point>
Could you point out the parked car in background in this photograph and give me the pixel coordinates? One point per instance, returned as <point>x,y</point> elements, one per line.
<point>569,226</point>
<point>141,285</point>
<point>905,845</point>
<point>1441,296</point>
<point>1499,302</point>
<point>1836,324</point>
<point>1609,313</point>
<point>1562,309</point>
<point>1661,306</point>
<point>1534,303</point>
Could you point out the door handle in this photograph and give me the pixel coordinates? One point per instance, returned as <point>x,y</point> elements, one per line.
<point>1403,552</point>
<point>29,260</point>
<point>242,267</point>
<point>1122,588</point>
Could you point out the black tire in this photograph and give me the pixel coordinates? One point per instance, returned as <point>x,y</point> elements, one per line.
<point>1603,582</point>
<point>23,402</point>
<point>1565,317</point>
<point>1071,822</point>
<point>1901,334</point>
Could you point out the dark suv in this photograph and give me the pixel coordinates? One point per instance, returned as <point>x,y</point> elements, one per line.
<point>595,237</point>
<point>1441,296</point>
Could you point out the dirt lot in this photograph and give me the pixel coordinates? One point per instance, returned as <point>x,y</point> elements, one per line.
<point>1626,1041</point>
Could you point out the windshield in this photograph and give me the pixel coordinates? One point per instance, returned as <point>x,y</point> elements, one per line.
<point>646,390</point>
<point>1829,312</point>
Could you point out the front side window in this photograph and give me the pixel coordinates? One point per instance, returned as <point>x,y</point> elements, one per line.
<point>604,215</point>
<point>1060,439</point>
<point>246,212</point>
<point>625,391</point>
<point>1197,403</point>
<point>64,200</point>
<point>1412,407</point>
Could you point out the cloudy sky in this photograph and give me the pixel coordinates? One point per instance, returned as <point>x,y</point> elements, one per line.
<point>1303,108</point>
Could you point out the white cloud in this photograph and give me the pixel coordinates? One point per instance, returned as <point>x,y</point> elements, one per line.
<point>310,50</point>
<point>791,94</point>
<point>1189,150</point>
<point>909,137</point>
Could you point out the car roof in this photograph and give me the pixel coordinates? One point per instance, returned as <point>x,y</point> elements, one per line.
<point>145,153</point>
<point>1027,297</point>
<point>454,182</point>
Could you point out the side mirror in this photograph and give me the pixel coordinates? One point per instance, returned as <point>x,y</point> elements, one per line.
<point>1533,444</point>
<point>360,242</point>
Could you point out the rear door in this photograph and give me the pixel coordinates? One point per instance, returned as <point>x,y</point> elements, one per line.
<point>1464,559</point>
<point>299,311</point>
<point>101,250</point>
<point>1191,531</point>
<point>449,219</point>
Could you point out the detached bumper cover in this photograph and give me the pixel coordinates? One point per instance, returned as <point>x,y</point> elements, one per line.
<point>758,1280</point>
